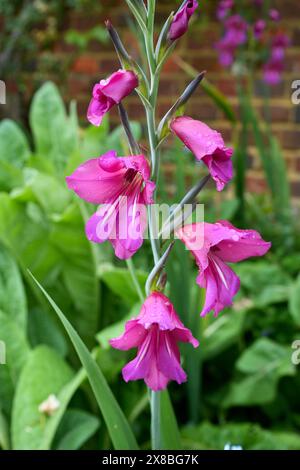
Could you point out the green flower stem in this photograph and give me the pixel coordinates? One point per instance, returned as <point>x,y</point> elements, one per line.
<point>134,278</point>
<point>155,420</point>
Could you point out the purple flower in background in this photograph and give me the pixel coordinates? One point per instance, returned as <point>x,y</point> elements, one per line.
<point>122,184</point>
<point>279,44</point>
<point>259,28</point>
<point>181,20</point>
<point>110,92</point>
<point>224,8</point>
<point>208,146</point>
<point>272,72</point>
<point>236,30</point>
<point>156,332</point>
<point>220,243</point>
<point>235,35</point>
<point>274,14</point>
<point>274,68</point>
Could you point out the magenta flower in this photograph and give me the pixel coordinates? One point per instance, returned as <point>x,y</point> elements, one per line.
<point>273,70</point>
<point>236,27</point>
<point>235,35</point>
<point>122,184</point>
<point>214,245</point>
<point>109,92</point>
<point>224,8</point>
<point>274,14</point>
<point>181,20</point>
<point>259,28</point>
<point>156,332</point>
<point>208,146</point>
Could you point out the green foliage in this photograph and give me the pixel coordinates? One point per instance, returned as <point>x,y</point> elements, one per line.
<point>240,377</point>
<point>44,374</point>
<point>75,429</point>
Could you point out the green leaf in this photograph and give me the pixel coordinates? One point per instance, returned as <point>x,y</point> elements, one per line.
<point>294,301</point>
<point>118,427</point>
<point>4,432</point>
<point>222,333</point>
<point>54,135</point>
<point>17,350</point>
<point>12,294</point>
<point>219,99</point>
<point>14,148</point>
<point>45,373</point>
<point>170,434</point>
<point>43,329</point>
<point>75,429</point>
<point>64,397</point>
<point>247,435</point>
<point>264,363</point>
<point>119,281</point>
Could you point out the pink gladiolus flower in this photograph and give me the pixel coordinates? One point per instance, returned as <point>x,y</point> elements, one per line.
<point>155,332</point>
<point>207,145</point>
<point>123,186</point>
<point>181,20</point>
<point>220,243</point>
<point>110,92</point>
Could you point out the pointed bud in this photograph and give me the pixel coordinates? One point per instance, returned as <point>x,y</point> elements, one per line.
<point>182,100</point>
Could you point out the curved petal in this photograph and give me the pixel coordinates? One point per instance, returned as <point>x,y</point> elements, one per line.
<point>207,145</point>
<point>238,245</point>
<point>119,85</point>
<point>133,336</point>
<point>96,183</point>
<point>168,358</point>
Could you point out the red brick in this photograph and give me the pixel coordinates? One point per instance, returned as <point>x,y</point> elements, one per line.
<point>85,64</point>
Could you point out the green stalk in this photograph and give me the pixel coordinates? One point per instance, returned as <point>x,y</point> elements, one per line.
<point>155,421</point>
<point>134,278</point>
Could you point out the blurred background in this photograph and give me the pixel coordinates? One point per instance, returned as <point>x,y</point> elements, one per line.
<point>244,381</point>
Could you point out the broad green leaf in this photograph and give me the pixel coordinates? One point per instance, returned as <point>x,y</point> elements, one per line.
<point>264,363</point>
<point>25,231</point>
<point>45,373</point>
<point>75,429</point>
<point>78,271</point>
<point>118,427</point>
<point>247,435</point>
<point>12,293</point>
<point>17,350</point>
<point>119,281</point>
<point>170,434</point>
<point>222,333</point>
<point>44,329</point>
<point>14,148</point>
<point>294,301</point>
<point>54,135</point>
<point>64,397</point>
<point>4,432</point>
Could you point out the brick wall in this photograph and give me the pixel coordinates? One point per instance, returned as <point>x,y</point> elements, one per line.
<point>197,49</point>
